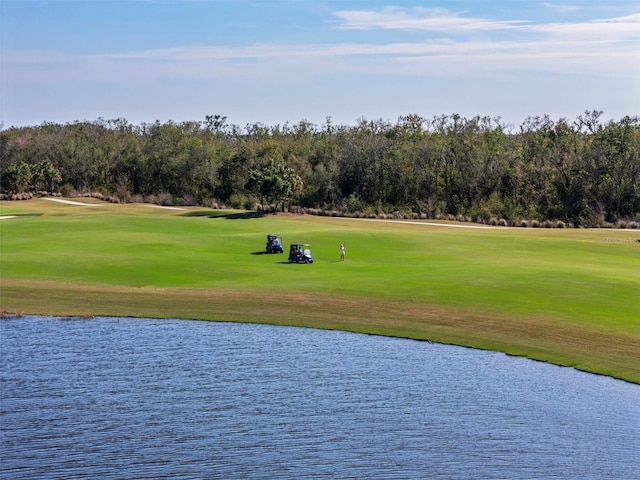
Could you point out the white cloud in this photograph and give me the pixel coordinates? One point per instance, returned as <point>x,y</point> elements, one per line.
<point>446,22</point>
<point>605,46</point>
<point>560,8</point>
<point>622,29</point>
<point>435,20</point>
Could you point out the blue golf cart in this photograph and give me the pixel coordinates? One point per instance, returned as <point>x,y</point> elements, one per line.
<point>300,253</point>
<point>274,243</point>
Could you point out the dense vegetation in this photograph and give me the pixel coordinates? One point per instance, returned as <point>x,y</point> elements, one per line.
<point>584,173</point>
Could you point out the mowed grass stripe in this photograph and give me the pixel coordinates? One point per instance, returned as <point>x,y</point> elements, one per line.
<point>570,297</point>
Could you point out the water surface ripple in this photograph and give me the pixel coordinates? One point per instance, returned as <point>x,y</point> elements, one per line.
<point>140,398</point>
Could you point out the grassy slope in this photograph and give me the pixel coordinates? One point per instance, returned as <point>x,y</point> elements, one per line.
<point>570,297</point>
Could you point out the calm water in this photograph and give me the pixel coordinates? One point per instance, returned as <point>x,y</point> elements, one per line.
<point>129,398</point>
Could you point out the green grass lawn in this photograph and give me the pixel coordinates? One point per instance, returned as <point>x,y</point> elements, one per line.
<point>571,297</point>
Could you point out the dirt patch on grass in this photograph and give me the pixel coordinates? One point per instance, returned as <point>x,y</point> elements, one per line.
<point>564,343</point>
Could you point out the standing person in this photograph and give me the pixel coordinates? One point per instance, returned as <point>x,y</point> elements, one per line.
<point>342,252</point>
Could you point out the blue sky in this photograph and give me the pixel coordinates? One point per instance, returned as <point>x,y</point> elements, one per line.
<point>279,61</point>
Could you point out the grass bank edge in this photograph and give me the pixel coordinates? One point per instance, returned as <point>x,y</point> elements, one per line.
<point>585,348</point>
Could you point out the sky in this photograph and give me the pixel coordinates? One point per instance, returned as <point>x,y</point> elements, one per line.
<point>284,61</point>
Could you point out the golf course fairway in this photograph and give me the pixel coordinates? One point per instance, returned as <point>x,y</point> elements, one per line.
<point>565,296</point>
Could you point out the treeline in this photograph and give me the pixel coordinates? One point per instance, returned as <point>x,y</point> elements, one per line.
<point>582,172</point>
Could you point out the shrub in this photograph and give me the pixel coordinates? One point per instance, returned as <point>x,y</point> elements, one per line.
<point>164,199</point>
<point>353,203</point>
<point>97,195</point>
<point>237,200</point>
<point>21,196</point>
<point>68,191</point>
<point>627,224</point>
<point>189,199</point>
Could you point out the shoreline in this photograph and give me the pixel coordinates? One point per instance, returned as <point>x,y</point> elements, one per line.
<point>582,347</point>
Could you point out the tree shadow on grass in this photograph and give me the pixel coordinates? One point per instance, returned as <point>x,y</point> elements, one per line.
<point>223,214</point>
<point>25,214</point>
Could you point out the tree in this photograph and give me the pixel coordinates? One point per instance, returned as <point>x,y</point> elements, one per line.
<point>275,183</point>
<point>45,175</point>
<point>122,187</point>
<point>17,178</point>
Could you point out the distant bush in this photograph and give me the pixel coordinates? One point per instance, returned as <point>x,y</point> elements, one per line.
<point>164,199</point>
<point>189,199</point>
<point>210,202</point>
<point>68,191</point>
<point>17,196</point>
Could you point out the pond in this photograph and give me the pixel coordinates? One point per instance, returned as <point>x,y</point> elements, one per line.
<point>142,398</point>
